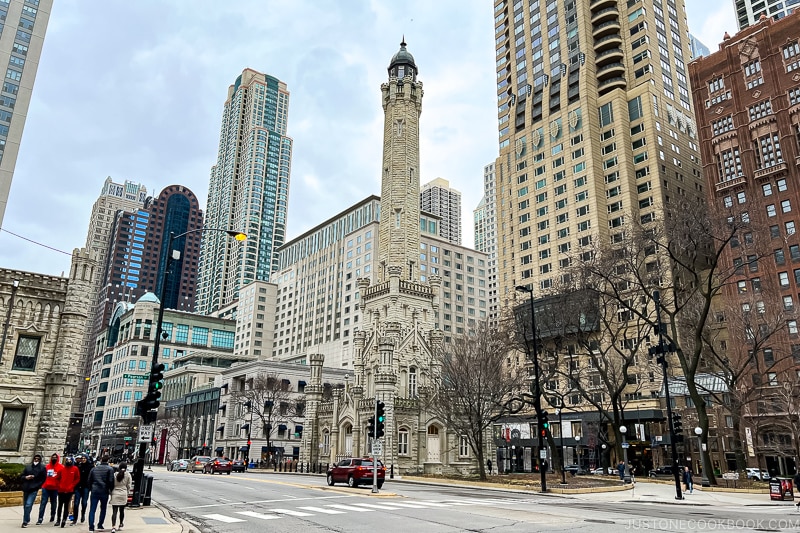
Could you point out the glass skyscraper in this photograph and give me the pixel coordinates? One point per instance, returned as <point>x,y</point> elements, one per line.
<point>248,191</point>
<point>23,24</point>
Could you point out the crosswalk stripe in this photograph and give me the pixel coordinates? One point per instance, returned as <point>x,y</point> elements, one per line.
<point>409,505</point>
<point>433,504</point>
<point>254,514</point>
<point>321,510</point>
<point>223,518</point>
<point>289,512</point>
<point>349,508</point>
<point>376,506</point>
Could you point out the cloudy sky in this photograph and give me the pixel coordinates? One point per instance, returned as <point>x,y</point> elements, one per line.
<point>134,90</point>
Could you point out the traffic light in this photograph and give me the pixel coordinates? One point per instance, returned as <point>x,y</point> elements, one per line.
<point>545,421</point>
<point>677,427</point>
<point>379,427</point>
<point>156,377</point>
<point>371,427</point>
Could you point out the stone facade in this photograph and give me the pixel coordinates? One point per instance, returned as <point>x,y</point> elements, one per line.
<point>44,326</point>
<point>396,345</point>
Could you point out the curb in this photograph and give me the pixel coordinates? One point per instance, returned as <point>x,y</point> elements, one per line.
<point>552,491</point>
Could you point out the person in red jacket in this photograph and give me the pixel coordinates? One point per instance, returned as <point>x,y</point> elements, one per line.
<point>67,481</point>
<point>50,489</point>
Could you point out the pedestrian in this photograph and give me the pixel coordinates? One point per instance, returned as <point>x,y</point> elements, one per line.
<point>631,473</point>
<point>687,479</point>
<point>82,490</point>
<point>119,496</point>
<point>101,483</point>
<point>67,481</point>
<point>33,477</point>
<point>621,471</point>
<point>50,489</point>
<point>489,466</point>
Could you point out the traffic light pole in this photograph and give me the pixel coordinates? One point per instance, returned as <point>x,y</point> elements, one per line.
<point>374,455</point>
<point>662,359</point>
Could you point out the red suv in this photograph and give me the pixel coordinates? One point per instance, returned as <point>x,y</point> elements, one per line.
<point>218,465</point>
<point>356,472</point>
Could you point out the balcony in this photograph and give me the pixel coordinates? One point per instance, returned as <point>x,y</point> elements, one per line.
<point>612,69</point>
<point>729,184</point>
<point>780,168</point>
<point>606,28</point>
<point>605,14</point>
<point>609,41</point>
<point>599,4</point>
<point>608,56</point>
<point>611,84</point>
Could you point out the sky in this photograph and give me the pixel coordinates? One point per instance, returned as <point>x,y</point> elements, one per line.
<point>134,90</point>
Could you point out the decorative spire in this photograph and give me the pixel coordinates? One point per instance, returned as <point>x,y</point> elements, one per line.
<point>403,42</point>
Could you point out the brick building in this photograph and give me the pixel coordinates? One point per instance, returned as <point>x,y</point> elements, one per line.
<point>747,102</point>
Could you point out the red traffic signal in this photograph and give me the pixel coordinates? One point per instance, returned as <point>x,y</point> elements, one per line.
<point>249,443</point>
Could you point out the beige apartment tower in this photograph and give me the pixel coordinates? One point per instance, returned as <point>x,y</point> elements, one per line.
<point>596,129</point>
<point>21,40</point>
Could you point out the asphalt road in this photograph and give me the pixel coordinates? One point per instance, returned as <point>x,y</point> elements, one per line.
<point>291,503</point>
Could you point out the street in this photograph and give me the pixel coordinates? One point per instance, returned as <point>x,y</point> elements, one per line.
<point>291,503</point>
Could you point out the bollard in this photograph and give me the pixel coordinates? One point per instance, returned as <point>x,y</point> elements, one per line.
<point>275,466</point>
<point>391,472</point>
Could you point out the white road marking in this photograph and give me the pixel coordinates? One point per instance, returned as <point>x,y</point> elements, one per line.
<point>409,505</point>
<point>321,510</point>
<point>289,512</point>
<point>224,499</point>
<point>433,504</point>
<point>254,514</point>
<point>349,508</point>
<point>223,518</point>
<point>380,507</point>
<point>266,501</point>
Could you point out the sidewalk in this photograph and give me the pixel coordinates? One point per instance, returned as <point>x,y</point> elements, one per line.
<point>153,519</point>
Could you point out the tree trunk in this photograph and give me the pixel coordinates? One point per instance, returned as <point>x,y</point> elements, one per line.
<point>738,445</point>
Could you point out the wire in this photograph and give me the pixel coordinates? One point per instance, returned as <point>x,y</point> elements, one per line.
<point>36,243</point>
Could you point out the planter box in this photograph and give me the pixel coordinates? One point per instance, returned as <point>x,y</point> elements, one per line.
<point>14,498</point>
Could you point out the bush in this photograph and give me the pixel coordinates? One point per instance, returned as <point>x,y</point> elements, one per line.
<point>9,476</point>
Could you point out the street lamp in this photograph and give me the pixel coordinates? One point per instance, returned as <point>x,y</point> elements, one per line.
<point>578,451</point>
<point>537,400</point>
<point>239,236</point>
<point>268,404</point>
<point>626,476</point>
<point>249,406</point>
<point>602,459</point>
<point>701,448</point>
<point>561,441</point>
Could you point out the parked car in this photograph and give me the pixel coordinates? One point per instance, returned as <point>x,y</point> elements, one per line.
<point>196,463</point>
<point>756,474</point>
<point>575,470</point>
<point>178,465</point>
<point>661,471</point>
<point>603,471</point>
<point>355,472</point>
<point>218,465</point>
<point>238,465</point>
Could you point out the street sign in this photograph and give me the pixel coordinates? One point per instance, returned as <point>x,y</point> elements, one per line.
<point>145,434</point>
<point>542,454</point>
<point>136,376</point>
<point>377,447</point>
<point>730,475</point>
<point>127,439</point>
<point>625,445</point>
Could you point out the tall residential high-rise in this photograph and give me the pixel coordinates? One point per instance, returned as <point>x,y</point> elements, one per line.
<point>596,129</point>
<point>696,48</point>
<point>437,198</point>
<point>114,198</point>
<point>24,23</point>
<point>248,191</point>
<point>748,12</point>
<point>485,219</point>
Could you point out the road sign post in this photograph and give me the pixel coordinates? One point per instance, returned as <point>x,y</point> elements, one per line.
<point>145,434</point>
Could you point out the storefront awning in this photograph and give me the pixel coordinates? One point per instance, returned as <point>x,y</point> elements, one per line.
<point>243,449</point>
<point>221,428</point>
<point>301,383</point>
<point>220,448</point>
<point>281,427</point>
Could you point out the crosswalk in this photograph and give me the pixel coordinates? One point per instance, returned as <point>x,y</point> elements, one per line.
<point>305,511</point>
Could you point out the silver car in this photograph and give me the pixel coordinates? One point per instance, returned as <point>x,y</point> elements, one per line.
<point>178,465</point>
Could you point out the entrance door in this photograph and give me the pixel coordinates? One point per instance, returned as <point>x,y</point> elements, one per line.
<point>348,441</point>
<point>433,445</point>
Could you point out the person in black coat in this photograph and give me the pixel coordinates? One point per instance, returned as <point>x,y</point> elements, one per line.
<point>33,477</point>
<point>82,490</point>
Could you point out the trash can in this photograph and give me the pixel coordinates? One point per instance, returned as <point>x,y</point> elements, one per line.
<point>781,489</point>
<point>147,489</point>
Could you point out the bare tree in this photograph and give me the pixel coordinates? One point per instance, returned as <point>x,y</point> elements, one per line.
<point>271,401</point>
<point>173,425</point>
<point>479,373</point>
<point>686,256</point>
